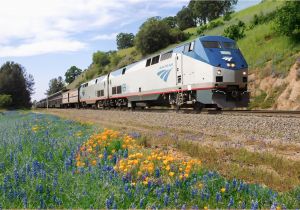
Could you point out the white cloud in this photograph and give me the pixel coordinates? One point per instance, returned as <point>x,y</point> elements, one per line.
<point>41,47</point>
<point>33,27</point>
<point>105,37</point>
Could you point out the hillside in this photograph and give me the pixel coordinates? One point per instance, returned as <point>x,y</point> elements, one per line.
<point>267,53</point>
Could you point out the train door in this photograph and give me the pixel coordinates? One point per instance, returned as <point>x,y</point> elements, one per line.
<point>179,69</point>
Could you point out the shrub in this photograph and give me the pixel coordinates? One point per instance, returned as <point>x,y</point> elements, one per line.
<point>227,16</point>
<point>201,29</point>
<point>235,32</point>
<point>176,35</point>
<point>5,101</point>
<point>287,20</point>
<point>214,24</point>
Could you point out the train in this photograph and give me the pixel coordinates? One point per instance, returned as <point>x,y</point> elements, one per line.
<point>207,72</point>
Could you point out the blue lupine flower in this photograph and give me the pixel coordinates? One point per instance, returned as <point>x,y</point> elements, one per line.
<point>231,202</point>
<point>157,172</point>
<point>168,188</point>
<point>142,202</point>
<point>166,200</point>
<point>218,197</point>
<point>254,205</point>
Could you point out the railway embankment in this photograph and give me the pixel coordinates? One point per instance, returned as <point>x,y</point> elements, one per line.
<point>254,148</point>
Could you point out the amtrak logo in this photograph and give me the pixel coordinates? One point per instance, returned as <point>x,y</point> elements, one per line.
<point>164,74</point>
<point>226,58</point>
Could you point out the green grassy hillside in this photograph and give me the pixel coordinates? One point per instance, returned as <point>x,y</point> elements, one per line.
<point>260,46</point>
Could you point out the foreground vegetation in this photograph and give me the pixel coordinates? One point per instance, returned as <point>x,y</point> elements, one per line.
<point>45,166</point>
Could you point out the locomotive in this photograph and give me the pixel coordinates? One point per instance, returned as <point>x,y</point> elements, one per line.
<point>209,71</point>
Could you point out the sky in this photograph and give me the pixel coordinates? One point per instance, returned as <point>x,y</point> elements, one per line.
<point>47,37</point>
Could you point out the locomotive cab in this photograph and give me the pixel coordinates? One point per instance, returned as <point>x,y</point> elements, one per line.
<point>229,73</point>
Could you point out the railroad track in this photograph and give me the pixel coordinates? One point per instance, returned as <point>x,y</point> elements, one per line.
<point>262,113</point>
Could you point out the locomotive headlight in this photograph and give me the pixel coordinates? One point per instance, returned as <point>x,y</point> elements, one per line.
<point>219,72</point>
<point>228,64</point>
<point>244,73</point>
<point>233,65</point>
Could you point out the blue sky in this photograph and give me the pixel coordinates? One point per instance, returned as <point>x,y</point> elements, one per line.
<point>47,37</point>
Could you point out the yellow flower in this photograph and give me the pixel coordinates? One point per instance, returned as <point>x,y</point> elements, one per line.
<point>100,156</point>
<point>140,173</point>
<point>171,174</point>
<point>223,190</point>
<point>200,185</point>
<point>205,207</point>
<point>186,175</point>
<point>168,168</point>
<point>94,162</point>
<point>132,183</point>
<point>145,182</point>
<point>113,151</point>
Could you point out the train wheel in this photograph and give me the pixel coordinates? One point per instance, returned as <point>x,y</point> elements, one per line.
<point>198,106</point>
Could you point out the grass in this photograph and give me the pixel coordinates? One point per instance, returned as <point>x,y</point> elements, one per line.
<point>48,162</point>
<point>266,101</point>
<point>253,167</point>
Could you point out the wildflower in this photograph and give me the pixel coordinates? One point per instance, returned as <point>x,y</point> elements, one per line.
<point>205,207</point>
<point>168,168</point>
<point>223,190</point>
<point>171,174</point>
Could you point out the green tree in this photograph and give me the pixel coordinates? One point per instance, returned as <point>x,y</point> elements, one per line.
<point>5,101</point>
<point>101,58</point>
<point>235,32</point>
<point>171,21</point>
<point>176,35</point>
<point>185,19</point>
<point>287,20</point>
<point>203,11</point>
<point>55,85</point>
<point>153,35</point>
<point>15,82</point>
<point>72,73</point>
<point>125,40</point>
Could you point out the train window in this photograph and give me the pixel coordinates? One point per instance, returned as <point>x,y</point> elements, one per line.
<point>229,45</point>
<point>114,90</point>
<point>166,56</point>
<point>211,44</point>
<point>119,90</point>
<point>155,60</point>
<point>148,63</point>
<point>100,93</point>
<point>123,71</point>
<point>191,47</point>
<point>96,81</point>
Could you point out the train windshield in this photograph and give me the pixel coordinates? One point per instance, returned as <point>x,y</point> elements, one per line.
<point>229,45</point>
<point>211,44</point>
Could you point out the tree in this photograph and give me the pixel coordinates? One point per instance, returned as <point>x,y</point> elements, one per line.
<point>101,58</point>
<point>125,40</point>
<point>171,21</point>
<point>15,82</point>
<point>55,85</point>
<point>153,35</point>
<point>287,20</point>
<point>72,73</point>
<point>235,32</point>
<point>185,19</point>
<point>5,101</point>
<point>204,11</point>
